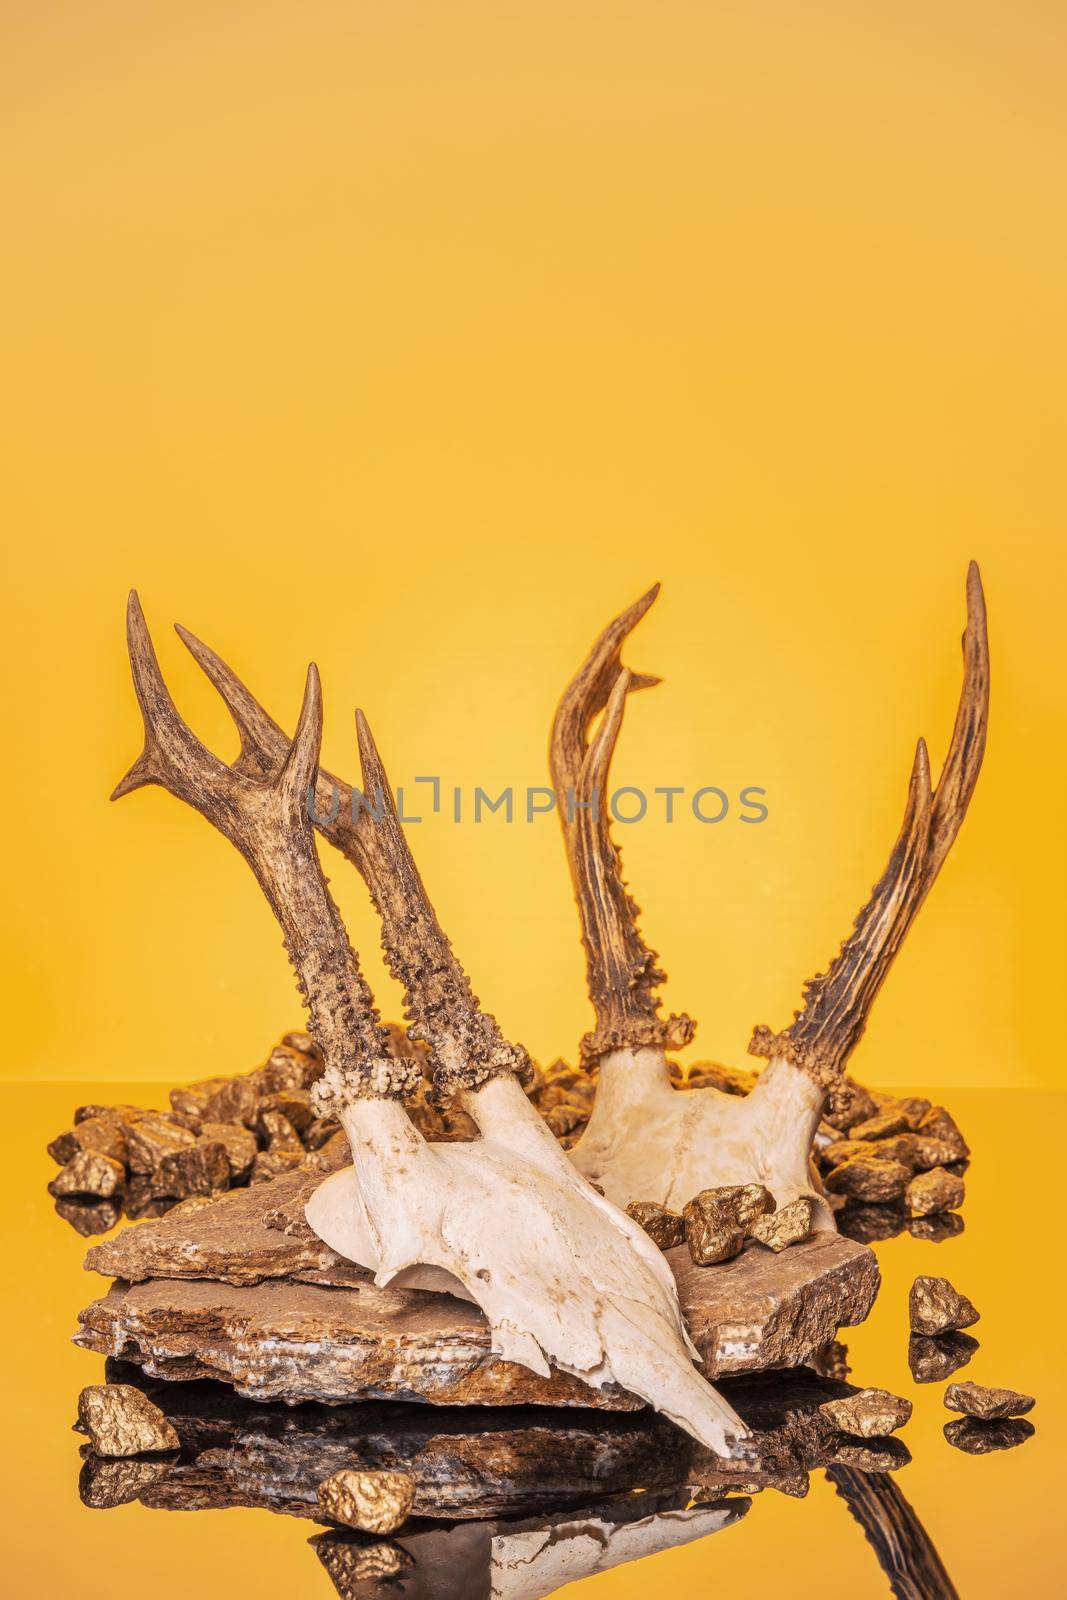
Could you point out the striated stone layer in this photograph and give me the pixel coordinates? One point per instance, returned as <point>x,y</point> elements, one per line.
<point>315,1328</point>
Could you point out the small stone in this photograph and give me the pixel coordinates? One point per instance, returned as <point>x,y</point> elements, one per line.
<point>139,1200</point>
<point>788,1225</point>
<point>303,1043</point>
<point>932,1192</point>
<point>914,1108</point>
<point>869,1414</point>
<point>89,1174</point>
<point>105,1483</point>
<point>665,1228</point>
<point>926,1152</point>
<point>565,1117</point>
<point>190,1100</point>
<point>877,1455</point>
<point>294,1105</point>
<point>713,1075</point>
<point>938,1124</point>
<point>936,1229</point>
<point>202,1168</point>
<point>238,1142</point>
<point>932,1358</point>
<point>154,1138</point>
<point>285,1069</point>
<point>121,1421</point>
<point>979,1438</point>
<point>978,1401</point>
<point>272,1163</point>
<point>868,1178</point>
<point>832,1361</point>
<point>881,1126</point>
<point>236,1100</point>
<point>122,1112</point>
<point>320,1131</point>
<point>89,1217</point>
<point>850,1103</point>
<point>102,1134</point>
<point>936,1307</point>
<point>279,1132</point>
<point>712,1230</point>
<point>375,1502</point>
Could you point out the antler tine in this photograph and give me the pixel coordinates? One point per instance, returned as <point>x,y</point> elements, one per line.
<point>836,1005</point>
<point>621,970</point>
<point>266,819</point>
<point>466,1044</point>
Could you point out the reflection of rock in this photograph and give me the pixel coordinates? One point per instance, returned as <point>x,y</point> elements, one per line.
<point>271,1309</point>
<point>976,1400</point>
<point>904,1549</point>
<point>947,1225</point>
<point>472,1463</point>
<point>520,1560</point>
<point>932,1358</point>
<point>979,1438</point>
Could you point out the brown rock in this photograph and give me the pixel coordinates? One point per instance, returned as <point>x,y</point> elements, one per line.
<point>202,1168</point>
<point>832,1361</point>
<point>154,1138</point>
<point>714,1075</point>
<point>665,1228</point>
<point>279,1132</point>
<point>932,1358</point>
<point>926,1152</point>
<point>238,1142</point>
<point>788,1225</point>
<point>273,1164</point>
<point>936,1307</point>
<point>881,1126</point>
<point>140,1201</point>
<point>375,1502</point>
<point>89,1174</point>
<point>121,1421</point>
<point>978,1401</point>
<point>285,1069</point>
<point>933,1192</point>
<point>236,1100</point>
<point>566,1117</point>
<point>191,1099</point>
<point>868,1414</point>
<point>89,1216</point>
<point>102,1134</point>
<point>850,1103</point>
<point>293,1104</point>
<point>320,1131</point>
<point>107,1483</point>
<point>298,1341</point>
<point>979,1438</point>
<point>303,1044</point>
<point>121,1112</point>
<point>938,1124</point>
<point>869,1178</point>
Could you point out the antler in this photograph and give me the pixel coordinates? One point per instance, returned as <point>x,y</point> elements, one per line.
<point>837,1002</point>
<point>266,819</point>
<point>622,971</point>
<point>466,1043</point>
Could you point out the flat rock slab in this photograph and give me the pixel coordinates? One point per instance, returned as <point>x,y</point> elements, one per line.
<point>291,1340</point>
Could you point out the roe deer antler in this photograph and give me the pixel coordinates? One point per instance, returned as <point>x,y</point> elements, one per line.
<point>560,1274</point>
<point>647,1141</point>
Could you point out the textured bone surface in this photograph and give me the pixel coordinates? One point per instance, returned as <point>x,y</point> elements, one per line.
<point>976,1400</point>
<point>375,1502</point>
<point>935,1306</point>
<point>122,1421</point>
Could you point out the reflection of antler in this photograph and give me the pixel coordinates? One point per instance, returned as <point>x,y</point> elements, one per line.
<point>645,1141</point>
<point>904,1549</point>
<point>560,1274</point>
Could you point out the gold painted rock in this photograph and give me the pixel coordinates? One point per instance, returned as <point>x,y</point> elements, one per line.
<point>89,1174</point>
<point>869,1178</point>
<point>665,1228</point>
<point>933,1192</point>
<point>868,1414</point>
<point>789,1225</point>
<point>202,1168</point>
<point>374,1502</point>
<point>121,1421</point>
<point>976,1400</point>
<point>936,1307</point>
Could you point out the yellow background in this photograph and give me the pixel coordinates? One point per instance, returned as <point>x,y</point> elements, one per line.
<point>420,339</point>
